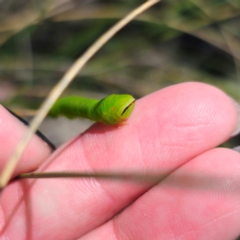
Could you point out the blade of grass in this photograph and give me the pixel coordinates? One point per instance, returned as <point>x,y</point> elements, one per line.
<point>177,181</point>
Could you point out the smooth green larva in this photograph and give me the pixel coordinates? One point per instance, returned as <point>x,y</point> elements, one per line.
<point>114,109</point>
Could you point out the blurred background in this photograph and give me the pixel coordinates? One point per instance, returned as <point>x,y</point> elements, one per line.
<point>173,42</point>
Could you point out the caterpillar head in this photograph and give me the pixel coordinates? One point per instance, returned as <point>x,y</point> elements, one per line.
<point>115,109</point>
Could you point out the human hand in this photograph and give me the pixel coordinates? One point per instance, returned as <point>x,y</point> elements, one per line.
<point>175,132</point>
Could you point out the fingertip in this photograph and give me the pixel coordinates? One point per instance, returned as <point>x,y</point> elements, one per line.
<point>191,105</point>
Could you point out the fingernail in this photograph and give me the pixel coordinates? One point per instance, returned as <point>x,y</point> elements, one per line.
<point>237,129</point>
<point>38,133</point>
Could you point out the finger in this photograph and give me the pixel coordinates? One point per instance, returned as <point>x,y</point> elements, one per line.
<point>12,131</point>
<point>166,129</point>
<point>200,200</point>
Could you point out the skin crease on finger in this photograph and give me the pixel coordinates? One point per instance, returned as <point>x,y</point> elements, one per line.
<point>167,129</point>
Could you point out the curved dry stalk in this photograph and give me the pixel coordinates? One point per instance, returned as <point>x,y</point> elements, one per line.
<point>62,84</point>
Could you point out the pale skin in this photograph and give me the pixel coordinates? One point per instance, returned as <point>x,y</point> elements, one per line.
<point>174,131</point>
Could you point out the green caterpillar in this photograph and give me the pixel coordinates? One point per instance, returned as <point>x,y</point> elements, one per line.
<point>111,110</point>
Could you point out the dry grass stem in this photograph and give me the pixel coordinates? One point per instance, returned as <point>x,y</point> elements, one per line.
<point>62,84</point>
